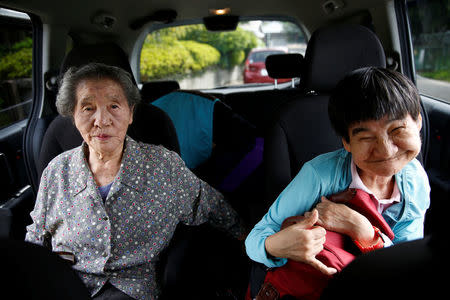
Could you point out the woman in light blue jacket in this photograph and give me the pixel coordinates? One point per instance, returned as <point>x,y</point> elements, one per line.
<point>377,114</point>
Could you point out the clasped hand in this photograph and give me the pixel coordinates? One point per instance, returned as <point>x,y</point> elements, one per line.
<point>304,240</point>
<point>300,242</point>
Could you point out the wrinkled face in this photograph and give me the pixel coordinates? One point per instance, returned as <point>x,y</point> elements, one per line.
<point>384,147</point>
<point>102,115</point>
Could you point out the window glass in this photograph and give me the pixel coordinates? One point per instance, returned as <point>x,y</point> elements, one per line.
<point>200,59</point>
<point>15,66</point>
<point>429,21</point>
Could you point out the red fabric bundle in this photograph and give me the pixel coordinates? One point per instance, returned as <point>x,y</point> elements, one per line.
<point>305,282</point>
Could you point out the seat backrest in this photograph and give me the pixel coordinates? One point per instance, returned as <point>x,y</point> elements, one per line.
<point>152,90</point>
<point>201,122</point>
<point>259,106</point>
<point>302,129</point>
<point>150,124</point>
<point>192,115</point>
<point>106,53</point>
<point>31,271</point>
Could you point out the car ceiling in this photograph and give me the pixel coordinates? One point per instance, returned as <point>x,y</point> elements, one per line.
<point>74,17</point>
<point>77,15</point>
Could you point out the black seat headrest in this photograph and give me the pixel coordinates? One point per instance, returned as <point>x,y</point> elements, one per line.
<point>284,65</point>
<point>334,51</point>
<point>106,53</point>
<point>153,90</point>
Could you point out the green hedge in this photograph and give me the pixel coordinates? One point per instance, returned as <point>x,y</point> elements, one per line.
<point>233,45</point>
<point>178,51</point>
<point>159,60</point>
<point>438,75</point>
<point>202,54</point>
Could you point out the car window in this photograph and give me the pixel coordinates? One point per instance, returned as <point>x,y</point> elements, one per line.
<point>200,59</point>
<point>15,66</point>
<point>429,21</point>
<point>261,56</point>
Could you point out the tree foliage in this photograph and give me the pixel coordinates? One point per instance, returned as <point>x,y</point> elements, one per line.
<point>186,49</point>
<point>16,62</point>
<point>232,45</point>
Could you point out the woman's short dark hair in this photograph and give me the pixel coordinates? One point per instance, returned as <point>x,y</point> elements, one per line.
<point>371,94</point>
<point>66,98</point>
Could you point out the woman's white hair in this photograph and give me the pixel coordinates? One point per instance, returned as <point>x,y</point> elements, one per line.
<point>66,98</point>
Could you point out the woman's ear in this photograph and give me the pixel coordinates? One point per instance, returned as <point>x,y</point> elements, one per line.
<point>419,121</point>
<point>346,145</point>
<point>132,114</point>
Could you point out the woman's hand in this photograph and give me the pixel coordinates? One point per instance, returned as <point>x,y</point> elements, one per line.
<point>300,242</point>
<point>340,218</point>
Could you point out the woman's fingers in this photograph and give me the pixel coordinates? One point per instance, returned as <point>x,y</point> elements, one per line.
<point>317,264</point>
<point>318,232</point>
<point>303,240</point>
<point>309,220</point>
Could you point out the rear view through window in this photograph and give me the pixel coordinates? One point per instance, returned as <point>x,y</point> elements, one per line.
<point>201,59</point>
<point>255,66</point>
<point>430,21</point>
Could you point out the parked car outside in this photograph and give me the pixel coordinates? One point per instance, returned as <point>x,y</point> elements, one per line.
<point>255,66</point>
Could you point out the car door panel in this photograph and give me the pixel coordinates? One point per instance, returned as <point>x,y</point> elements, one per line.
<point>438,163</point>
<point>13,167</point>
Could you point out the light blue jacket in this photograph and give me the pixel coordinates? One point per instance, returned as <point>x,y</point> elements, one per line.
<point>328,174</point>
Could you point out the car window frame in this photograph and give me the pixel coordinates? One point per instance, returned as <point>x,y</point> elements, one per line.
<point>19,22</point>
<point>37,103</point>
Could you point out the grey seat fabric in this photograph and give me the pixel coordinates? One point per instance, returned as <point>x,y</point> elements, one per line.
<point>302,129</point>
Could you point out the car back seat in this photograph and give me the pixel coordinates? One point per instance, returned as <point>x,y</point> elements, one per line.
<point>150,124</point>
<point>202,121</point>
<point>302,129</point>
<point>258,107</point>
<point>152,90</point>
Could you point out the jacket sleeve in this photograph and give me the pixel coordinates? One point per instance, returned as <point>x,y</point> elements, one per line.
<point>199,203</point>
<point>416,194</point>
<point>37,232</point>
<point>297,198</point>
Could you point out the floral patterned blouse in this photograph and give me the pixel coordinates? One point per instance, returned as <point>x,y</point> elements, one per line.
<point>119,239</point>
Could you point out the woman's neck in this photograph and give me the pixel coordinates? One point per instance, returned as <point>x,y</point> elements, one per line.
<point>381,186</point>
<point>104,166</point>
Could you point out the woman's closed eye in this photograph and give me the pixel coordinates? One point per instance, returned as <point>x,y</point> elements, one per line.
<point>398,130</point>
<point>366,139</point>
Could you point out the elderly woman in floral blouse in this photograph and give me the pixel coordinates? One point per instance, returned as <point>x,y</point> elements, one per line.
<point>113,203</point>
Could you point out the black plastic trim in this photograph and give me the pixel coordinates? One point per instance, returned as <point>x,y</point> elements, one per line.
<point>407,58</point>
<point>405,39</point>
<point>37,98</point>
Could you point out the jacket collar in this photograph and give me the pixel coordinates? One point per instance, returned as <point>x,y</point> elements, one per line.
<point>132,164</point>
